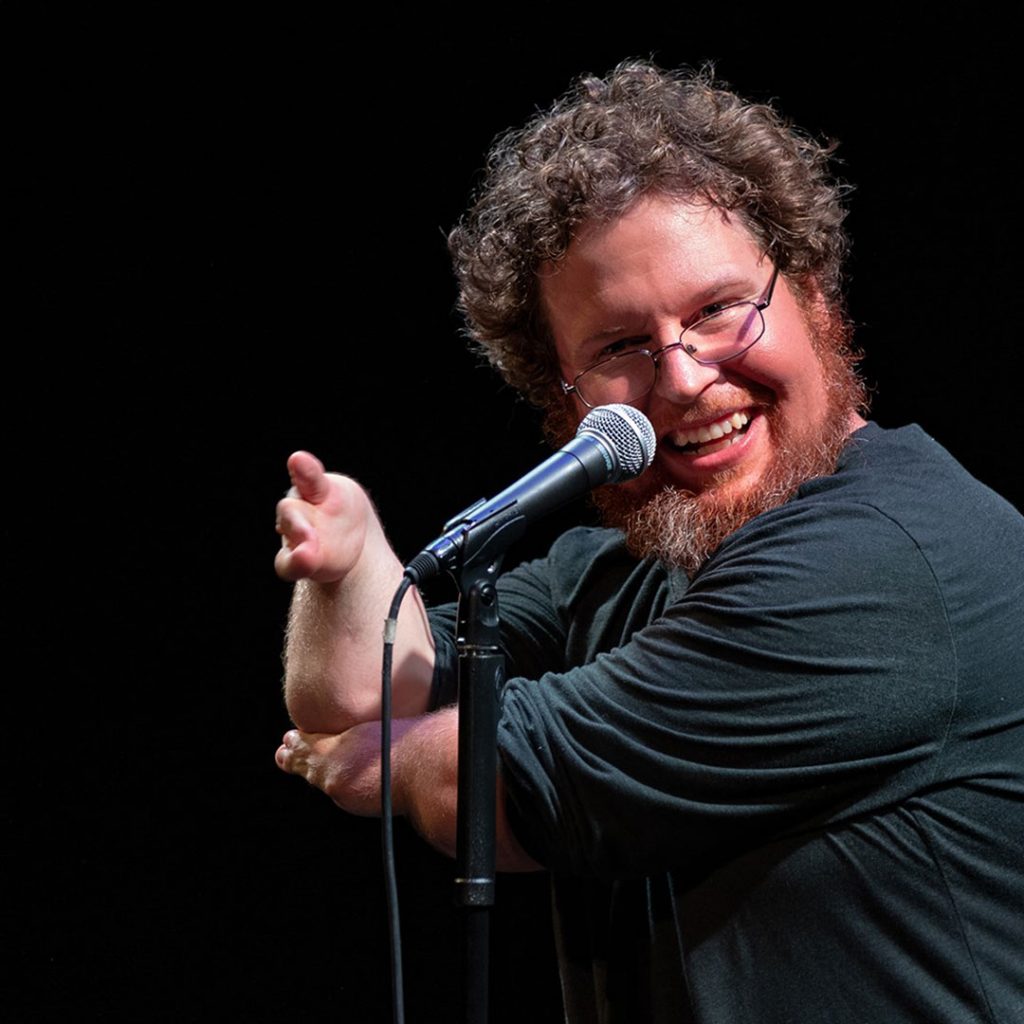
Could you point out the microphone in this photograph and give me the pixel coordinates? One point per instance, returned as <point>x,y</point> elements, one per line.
<point>613,443</point>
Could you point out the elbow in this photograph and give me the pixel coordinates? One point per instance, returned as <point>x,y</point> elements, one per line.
<point>313,710</point>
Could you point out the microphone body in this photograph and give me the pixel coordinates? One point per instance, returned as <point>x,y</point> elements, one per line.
<point>613,443</point>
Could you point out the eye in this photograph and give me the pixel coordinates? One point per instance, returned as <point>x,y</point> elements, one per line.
<point>710,310</point>
<point>622,345</point>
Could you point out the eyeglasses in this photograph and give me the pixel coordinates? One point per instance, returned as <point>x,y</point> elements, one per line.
<point>628,376</point>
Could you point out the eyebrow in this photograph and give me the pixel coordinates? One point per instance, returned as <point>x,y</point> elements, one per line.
<point>709,291</point>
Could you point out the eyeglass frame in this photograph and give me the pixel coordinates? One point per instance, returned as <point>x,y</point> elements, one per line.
<point>656,354</point>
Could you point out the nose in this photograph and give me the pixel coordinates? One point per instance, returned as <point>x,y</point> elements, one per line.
<point>681,378</point>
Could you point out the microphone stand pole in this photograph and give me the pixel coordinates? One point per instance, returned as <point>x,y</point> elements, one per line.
<point>481,675</point>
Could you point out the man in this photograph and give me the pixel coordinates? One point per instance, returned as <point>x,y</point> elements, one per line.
<point>766,733</point>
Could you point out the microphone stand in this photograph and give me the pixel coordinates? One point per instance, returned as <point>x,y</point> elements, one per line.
<point>481,668</point>
<point>614,442</point>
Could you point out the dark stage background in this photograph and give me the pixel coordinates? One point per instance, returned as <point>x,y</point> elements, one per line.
<point>227,242</point>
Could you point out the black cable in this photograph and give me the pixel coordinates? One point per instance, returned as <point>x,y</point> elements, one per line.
<point>387,832</point>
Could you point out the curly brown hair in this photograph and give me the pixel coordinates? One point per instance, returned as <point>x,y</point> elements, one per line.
<point>597,151</point>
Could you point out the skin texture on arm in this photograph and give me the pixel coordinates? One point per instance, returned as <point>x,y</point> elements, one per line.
<point>333,546</point>
<point>424,755</point>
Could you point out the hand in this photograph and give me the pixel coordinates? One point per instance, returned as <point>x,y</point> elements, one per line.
<point>346,766</point>
<point>323,523</point>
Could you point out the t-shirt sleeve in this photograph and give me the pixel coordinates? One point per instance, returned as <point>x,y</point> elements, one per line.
<point>554,612</point>
<point>806,675</point>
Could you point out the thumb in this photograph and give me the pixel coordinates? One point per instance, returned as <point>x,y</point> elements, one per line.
<point>308,477</point>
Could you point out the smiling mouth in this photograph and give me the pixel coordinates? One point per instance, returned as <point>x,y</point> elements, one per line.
<point>710,437</point>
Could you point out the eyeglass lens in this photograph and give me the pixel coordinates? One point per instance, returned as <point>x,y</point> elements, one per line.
<point>630,375</point>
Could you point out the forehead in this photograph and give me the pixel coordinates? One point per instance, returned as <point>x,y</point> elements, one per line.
<point>660,254</point>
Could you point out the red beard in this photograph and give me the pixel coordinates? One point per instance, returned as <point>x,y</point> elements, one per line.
<point>683,529</point>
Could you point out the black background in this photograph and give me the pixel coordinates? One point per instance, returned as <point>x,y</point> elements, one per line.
<point>227,242</point>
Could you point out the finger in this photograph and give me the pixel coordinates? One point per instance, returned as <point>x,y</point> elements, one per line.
<point>292,522</point>
<point>292,754</point>
<point>293,564</point>
<point>308,477</point>
<point>299,555</point>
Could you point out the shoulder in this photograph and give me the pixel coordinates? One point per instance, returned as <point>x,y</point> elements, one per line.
<point>897,496</point>
<point>904,471</point>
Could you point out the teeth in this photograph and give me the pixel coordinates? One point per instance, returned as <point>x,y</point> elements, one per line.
<point>711,431</point>
<point>707,449</point>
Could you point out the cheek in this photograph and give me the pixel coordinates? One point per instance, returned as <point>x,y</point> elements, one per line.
<point>785,360</point>
<point>784,365</point>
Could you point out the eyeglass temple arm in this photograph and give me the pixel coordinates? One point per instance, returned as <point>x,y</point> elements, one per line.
<point>766,301</point>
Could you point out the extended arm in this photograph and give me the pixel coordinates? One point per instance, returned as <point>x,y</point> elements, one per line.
<point>334,547</point>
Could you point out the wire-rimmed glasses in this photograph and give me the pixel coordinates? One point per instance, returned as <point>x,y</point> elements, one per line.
<point>717,338</point>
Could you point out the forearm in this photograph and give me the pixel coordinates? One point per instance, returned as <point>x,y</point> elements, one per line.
<point>424,772</point>
<point>346,575</point>
<point>334,646</point>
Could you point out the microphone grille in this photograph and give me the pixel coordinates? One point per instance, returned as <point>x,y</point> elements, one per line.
<point>630,434</point>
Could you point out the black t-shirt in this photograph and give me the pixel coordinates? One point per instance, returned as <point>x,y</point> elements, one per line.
<point>790,789</point>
